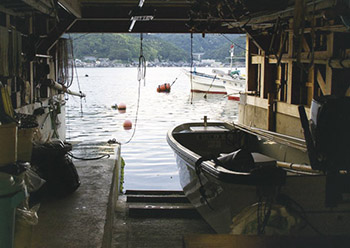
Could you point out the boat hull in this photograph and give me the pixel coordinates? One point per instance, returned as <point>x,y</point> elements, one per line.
<point>234,88</point>
<point>205,83</point>
<point>223,200</point>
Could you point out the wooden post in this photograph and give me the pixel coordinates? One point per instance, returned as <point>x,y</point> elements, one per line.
<point>290,65</point>
<point>271,123</point>
<point>329,70</point>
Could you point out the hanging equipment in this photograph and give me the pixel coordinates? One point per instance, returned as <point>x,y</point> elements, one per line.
<point>142,64</point>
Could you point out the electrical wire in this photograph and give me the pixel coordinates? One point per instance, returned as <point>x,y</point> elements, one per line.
<point>234,42</point>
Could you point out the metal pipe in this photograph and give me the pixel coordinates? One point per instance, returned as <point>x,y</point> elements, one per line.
<point>51,83</point>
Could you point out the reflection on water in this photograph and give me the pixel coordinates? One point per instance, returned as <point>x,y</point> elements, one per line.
<point>150,163</point>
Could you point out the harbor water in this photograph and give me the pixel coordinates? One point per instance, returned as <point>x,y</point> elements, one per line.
<point>150,162</point>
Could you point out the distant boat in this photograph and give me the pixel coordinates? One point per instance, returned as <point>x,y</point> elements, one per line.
<point>247,181</point>
<point>216,83</point>
<point>205,83</point>
<point>234,83</point>
<point>219,82</point>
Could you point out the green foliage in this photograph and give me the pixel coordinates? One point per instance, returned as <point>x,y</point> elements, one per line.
<point>162,47</point>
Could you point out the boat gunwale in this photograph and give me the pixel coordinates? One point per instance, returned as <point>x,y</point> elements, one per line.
<point>221,173</point>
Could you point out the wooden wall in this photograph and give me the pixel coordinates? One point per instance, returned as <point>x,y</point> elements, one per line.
<point>291,64</point>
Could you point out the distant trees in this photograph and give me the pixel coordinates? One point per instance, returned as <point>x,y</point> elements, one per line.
<point>164,47</point>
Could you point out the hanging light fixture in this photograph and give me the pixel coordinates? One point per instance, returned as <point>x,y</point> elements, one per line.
<point>139,14</point>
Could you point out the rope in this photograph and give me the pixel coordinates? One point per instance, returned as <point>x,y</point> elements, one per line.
<point>142,64</point>
<point>176,79</point>
<point>76,72</point>
<point>191,72</point>
<point>205,96</point>
<point>141,76</point>
<point>137,113</point>
<point>81,158</point>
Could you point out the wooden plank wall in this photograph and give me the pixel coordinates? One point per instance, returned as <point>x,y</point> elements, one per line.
<point>295,70</point>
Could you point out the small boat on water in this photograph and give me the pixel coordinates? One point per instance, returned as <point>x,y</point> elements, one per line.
<point>234,83</point>
<point>216,83</point>
<point>205,83</point>
<point>251,181</point>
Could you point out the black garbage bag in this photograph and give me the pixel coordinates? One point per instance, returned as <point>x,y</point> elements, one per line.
<point>54,165</point>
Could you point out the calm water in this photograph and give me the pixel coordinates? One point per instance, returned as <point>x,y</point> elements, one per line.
<point>150,163</point>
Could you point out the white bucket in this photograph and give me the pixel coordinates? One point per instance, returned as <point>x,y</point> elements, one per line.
<point>8,144</point>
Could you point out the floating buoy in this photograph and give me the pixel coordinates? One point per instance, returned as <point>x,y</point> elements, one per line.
<point>127,125</point>
<point>86,75</point>
<point>121,106</point>
<point>164,88</point>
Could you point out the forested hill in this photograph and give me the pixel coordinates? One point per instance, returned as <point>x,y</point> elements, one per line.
<point>156,47</point>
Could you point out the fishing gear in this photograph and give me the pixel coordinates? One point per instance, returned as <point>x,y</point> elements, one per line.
<point>142,64</point>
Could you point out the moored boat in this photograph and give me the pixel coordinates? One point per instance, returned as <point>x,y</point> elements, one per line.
<point>234,88</point>
<point>230,171</point>
<point>205,83</point>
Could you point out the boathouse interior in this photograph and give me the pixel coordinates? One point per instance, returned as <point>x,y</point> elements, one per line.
<point>296,50</point>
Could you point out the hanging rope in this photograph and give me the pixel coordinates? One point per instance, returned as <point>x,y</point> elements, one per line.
<point>76,72</point>
<point>141,75</point>
<point>191,70</point>
<point>206,93</point>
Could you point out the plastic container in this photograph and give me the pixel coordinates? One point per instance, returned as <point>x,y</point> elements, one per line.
<point>24,144</point>
<point>8,144</point>
<point>12,193</point>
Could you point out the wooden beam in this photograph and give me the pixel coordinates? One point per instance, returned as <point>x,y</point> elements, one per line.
<point>73,6</point>
<point>329,70</point>
<point>321,83</point>
<point>55,34</point>
<point>251,70</point>
<point>44,6</point>
<point>257,59</point>
<point>271,123</point>
<point>334,63</point>
<point>290,66</point>
<point>316,5</point>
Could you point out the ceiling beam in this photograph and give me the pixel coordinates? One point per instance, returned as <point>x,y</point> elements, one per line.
<point>43,6</point>
<point>122,11</point>
<point>122,26</point>
<point>73,6</point>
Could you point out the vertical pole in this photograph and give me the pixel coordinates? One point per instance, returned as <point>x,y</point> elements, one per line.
<point>271,125</point>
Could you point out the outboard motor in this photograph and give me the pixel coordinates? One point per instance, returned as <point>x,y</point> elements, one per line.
<point>328,143</point>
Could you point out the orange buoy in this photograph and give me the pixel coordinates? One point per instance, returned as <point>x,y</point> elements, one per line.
<point>164,88</point>
<point>121,106</point>
<point>127,124</point>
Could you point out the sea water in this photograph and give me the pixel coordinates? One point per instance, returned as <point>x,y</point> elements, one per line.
<point>150,162</point>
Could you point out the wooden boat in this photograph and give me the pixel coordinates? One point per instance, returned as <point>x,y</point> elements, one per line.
<point>234,88</point>
<point>225,169</point>
<point>205,83</point>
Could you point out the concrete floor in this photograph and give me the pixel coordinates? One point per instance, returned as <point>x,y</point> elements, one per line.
<point>92,216</point>
<point>77,220</point>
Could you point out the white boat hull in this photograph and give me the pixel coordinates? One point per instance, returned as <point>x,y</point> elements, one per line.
<point>234,88</point>
<point>223,200</point>
<point>205,83</point>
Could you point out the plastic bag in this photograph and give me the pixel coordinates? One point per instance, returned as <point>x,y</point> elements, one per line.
<point>32,180</point>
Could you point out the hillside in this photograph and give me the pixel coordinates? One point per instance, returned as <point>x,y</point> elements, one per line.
<point>156,47</point>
